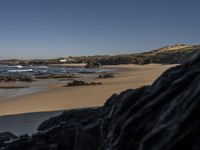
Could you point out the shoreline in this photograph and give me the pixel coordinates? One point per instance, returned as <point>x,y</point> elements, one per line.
<point>57,97</point>
<point>23,114</point>
<point>25,123</point>
<point>80,65</point>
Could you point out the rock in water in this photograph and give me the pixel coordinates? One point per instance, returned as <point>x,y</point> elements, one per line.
<point>163,116</point>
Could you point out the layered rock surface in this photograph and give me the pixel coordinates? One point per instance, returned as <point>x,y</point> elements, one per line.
<point>163,116</point>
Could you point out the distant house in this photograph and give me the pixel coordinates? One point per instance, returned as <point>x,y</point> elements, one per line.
<point>63,60</point>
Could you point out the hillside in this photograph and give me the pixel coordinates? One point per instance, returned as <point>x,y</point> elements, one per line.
<point>175,54</point>
<point>176,47</point>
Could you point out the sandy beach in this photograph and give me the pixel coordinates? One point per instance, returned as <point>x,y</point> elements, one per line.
<point>58,98</point>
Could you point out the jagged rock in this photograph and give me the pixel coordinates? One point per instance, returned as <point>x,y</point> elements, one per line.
<point>6,136</point>
<point>163,116</point>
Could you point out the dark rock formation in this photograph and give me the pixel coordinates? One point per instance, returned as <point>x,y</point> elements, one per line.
<point>105,75</point>
<point>9,78</point>
<point>81,83</point>
<point>163,116</point>
<point>6,136</point>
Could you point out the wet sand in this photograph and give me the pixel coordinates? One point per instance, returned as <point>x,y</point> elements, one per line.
<point>24,123</point>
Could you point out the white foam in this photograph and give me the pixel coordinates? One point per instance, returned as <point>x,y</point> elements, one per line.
<point>21,70</point>
<point>45,67</point>
<point>19,66</point>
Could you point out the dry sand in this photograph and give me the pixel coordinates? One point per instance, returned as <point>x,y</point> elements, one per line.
<point>61,98</point>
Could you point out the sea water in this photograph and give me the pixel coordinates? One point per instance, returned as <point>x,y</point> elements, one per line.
<point>33,87</point>
<point>44,70</point>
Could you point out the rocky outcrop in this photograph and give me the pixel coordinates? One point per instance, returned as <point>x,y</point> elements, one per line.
<point>6,136</point>
<point>105,76</point>
<point>81,83</point>
<point>163,116</point>
<point>9,78</point>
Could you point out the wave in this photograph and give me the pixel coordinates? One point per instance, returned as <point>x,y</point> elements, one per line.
<point>42,67</point>
<point>21,70</point>
<point>18,66</point>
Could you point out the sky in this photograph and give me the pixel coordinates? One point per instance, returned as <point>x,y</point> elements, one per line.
<point>57,28</point>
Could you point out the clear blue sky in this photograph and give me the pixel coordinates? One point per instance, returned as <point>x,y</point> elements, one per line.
<point>51,28</point>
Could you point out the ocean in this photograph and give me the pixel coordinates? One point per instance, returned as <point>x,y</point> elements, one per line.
<point>41,85</point>
<point>44,70</point>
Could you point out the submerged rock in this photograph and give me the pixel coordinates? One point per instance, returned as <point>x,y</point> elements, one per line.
<point>163,116</point>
